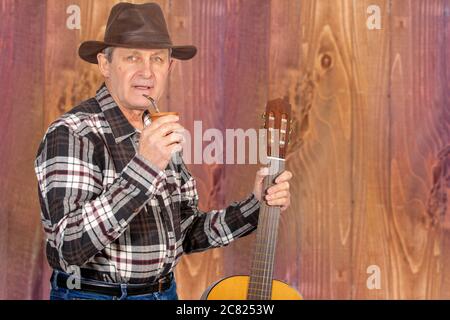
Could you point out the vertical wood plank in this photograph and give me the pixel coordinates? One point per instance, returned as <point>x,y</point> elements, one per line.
<point>22,30</point>
<point>370,151</point>
<point>245,94</point>
<point>441,184</point>
<point>323,164</point>
<point>6,50</point>
<point>419,133</point>
<point>286,75</point>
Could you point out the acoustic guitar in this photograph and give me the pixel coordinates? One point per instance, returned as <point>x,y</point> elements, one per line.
<point>260,285</point>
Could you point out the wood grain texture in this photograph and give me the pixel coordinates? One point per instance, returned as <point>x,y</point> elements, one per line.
<point>370,152</point>
<point>323,163</point>
<point>418,137</point>
<point>21,114</point>
<point>441,170</point>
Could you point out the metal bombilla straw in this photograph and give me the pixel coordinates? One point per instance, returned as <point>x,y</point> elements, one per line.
<point>153,102</point>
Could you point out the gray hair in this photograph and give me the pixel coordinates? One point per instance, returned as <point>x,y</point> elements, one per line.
<point>108,52</point>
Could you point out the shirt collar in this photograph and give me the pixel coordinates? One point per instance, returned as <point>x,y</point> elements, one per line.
<point>120,126</point>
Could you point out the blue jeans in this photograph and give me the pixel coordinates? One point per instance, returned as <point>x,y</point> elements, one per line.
<point>57,293</point>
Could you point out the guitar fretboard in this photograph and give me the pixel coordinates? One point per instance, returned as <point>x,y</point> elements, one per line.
<point>261,274</point>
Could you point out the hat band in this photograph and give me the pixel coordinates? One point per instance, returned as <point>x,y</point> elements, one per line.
<point>144,39</point>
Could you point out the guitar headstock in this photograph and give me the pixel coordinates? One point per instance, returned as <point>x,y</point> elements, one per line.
<point>277,120</point>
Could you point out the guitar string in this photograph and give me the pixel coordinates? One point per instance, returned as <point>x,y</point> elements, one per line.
<point>268,250</point>
<point>272,240</point>
<point>255,279</point>
<point>266,227</point>
<point>266,247</point>
<point>269,239</point>
<point>270,219</point>
<point>258,281</point>
<point>263,241</point>
<point>270,243</point>
<point>276,221</point>
<point>270,222</point>
<point>267,215</point>
<point>267,279</point>
<point>274,218</point>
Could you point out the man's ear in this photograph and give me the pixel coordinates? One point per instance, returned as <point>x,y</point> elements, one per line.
<point>103,65</point>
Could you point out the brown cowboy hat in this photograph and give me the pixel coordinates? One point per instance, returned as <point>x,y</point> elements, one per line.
<point>138,26</point>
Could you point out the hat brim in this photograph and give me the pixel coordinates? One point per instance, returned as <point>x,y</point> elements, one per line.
<point>89,50</point>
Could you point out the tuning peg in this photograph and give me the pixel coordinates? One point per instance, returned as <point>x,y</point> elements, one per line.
<point>263,117</point>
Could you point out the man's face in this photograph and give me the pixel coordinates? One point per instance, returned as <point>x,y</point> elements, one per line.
<point>133,73</point>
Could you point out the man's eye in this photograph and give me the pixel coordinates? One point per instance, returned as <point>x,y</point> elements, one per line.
<point>157,59</point>
<point>132,58</point>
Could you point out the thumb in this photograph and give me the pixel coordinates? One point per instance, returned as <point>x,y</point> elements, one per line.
<point>260,175</point>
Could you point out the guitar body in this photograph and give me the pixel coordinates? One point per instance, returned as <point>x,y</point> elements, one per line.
<point>236,288</point>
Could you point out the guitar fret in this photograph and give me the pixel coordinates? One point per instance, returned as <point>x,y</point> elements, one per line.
<point>263,269</point>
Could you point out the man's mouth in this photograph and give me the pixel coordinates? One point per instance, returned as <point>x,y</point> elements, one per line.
<point>143,88</point>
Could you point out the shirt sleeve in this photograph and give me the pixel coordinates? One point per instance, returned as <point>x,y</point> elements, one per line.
<point>217,228</point>
<point>81,217</point>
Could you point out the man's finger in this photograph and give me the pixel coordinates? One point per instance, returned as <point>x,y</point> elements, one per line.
<point>285,176</point>
<point>168,128</point>
<point>278,195</point>
<point>173,138</point>
<point>278,187</point>
<point>278,202</point>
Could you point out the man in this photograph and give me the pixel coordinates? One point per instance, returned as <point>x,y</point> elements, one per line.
<point>117,211</point>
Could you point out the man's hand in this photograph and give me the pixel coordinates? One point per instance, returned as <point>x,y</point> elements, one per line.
<point>160,140</point>
<point>277,195</point>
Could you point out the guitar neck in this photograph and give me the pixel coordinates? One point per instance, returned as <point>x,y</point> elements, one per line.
<point>261,274</point>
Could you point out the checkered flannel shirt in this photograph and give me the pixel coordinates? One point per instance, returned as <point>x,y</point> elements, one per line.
<point>113,215</point>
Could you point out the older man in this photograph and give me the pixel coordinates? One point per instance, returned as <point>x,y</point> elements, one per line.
<point>117,211</point>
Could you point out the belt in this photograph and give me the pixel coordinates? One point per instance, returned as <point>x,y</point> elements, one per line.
<point>114,289</point>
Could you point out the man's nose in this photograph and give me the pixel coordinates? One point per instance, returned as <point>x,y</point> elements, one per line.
<point>147,69</point>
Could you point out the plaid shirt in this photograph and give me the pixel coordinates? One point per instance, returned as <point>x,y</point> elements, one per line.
<point>110,212</point>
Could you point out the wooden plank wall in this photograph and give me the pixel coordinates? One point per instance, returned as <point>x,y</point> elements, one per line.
<point>22,73</point>
<point>370,153</point>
